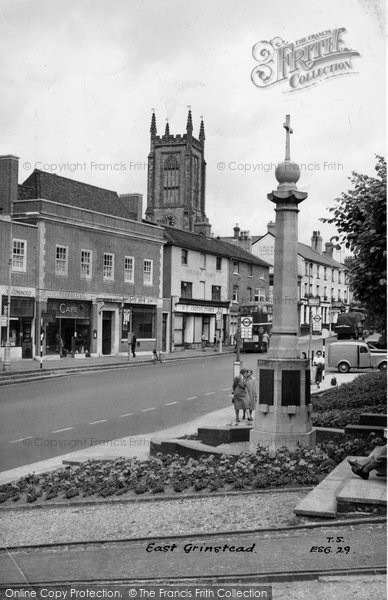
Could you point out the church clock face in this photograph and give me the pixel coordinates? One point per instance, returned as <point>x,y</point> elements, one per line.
<point>169,220</point>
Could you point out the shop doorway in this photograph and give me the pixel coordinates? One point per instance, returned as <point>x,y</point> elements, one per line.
<point>164,332</point>
<point>107,332</point>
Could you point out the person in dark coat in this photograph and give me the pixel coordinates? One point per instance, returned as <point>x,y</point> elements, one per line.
<point>133,345</point>
<point>240,394</point>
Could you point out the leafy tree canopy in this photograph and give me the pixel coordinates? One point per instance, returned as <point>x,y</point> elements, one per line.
<point>360,216</point>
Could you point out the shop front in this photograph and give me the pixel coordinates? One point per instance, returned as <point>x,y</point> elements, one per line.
<point>194,323</point>
<point>21,317</point>
<point>67,327</point>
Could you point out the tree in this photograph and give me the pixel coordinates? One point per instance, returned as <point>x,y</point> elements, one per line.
<point>360,216</point>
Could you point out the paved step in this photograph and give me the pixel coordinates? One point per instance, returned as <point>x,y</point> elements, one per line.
<point>363,495</point>
<point>353,494</point>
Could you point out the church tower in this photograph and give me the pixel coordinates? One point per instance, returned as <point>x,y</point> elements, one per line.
<point>176,178</point>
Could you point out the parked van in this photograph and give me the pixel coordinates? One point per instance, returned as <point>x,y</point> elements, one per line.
<point>354,355</point>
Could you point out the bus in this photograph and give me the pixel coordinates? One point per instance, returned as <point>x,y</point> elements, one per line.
<point>255,319</point>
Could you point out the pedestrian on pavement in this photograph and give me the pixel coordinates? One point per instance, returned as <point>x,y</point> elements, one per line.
<point>133,345</point>
<point>319,362</point>
<point>376,461</point>
<point>203,342</point>
<point>252,395</point>
<point>240,394</point>
<point>265,341</point>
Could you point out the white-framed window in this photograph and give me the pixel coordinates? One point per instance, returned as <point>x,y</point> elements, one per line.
<point>184,256</point>
<point>235,293</point>
<point>259,295</point>
<point>86,264</point>
<point>236,267</point>
<point>19,255</point>
<point>61,260</point>
<point>147,271</point>
<point>202,261</point>
<point>108,272</point>
<point>250,270</point>
<point>218,263</point>
<point>318,272</point>
<point>129,269</point>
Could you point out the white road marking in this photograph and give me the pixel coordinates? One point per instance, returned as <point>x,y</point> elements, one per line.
<point>193,398</point>
<point>147,409</point>
<point>95,422</point>
<point>169,403</point>
<point>21,440</point>
<point>59,430</point>
<point>209,393</point>
<point>126,415</point>
<point>226,389</point>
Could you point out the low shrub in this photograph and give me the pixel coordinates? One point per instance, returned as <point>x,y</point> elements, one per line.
<point>365,391</point>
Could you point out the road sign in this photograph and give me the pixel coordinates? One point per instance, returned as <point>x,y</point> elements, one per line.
<point>246,321</point>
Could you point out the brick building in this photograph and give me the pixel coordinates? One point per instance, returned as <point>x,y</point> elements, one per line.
<point>85,262</point>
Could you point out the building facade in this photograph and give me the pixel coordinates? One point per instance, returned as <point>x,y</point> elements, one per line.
<point>205,280</point>
<point>86,271</point>
<point>323,287</point>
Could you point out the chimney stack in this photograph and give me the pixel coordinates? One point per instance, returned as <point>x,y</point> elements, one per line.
<point>271,228</point>
<point>9,166</point>
<point>316,242</point>
<point>134,204</point>
<point>236,232</point>
<point>329,247</point>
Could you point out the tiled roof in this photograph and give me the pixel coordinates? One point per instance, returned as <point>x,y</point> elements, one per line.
<point>309,254</point>
<point>50,186</point>
<point>196,241</point>
<point>312,255</point>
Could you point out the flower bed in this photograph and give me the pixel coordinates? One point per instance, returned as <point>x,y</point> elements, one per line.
<point>172,474</point>
<point>343,406</point>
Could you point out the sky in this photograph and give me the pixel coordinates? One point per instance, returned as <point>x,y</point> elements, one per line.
<point>80,79</point>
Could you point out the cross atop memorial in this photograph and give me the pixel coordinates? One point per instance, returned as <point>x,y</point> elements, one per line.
<point>288,129</point>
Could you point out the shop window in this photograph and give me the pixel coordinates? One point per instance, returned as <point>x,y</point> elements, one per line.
<point>218,263</point>
<point>216,293</point>
<point>129,269</point>
<point>108,272</point>
<point>143,323</point>
<point>19,255</point>
<point>147,272</point>
<point>61,260</point>
<point>184,257</point>
<point>186,289</point>
<point>86,264</point>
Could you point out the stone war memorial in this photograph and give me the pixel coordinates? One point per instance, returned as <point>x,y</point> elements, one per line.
<point>283,412</point>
